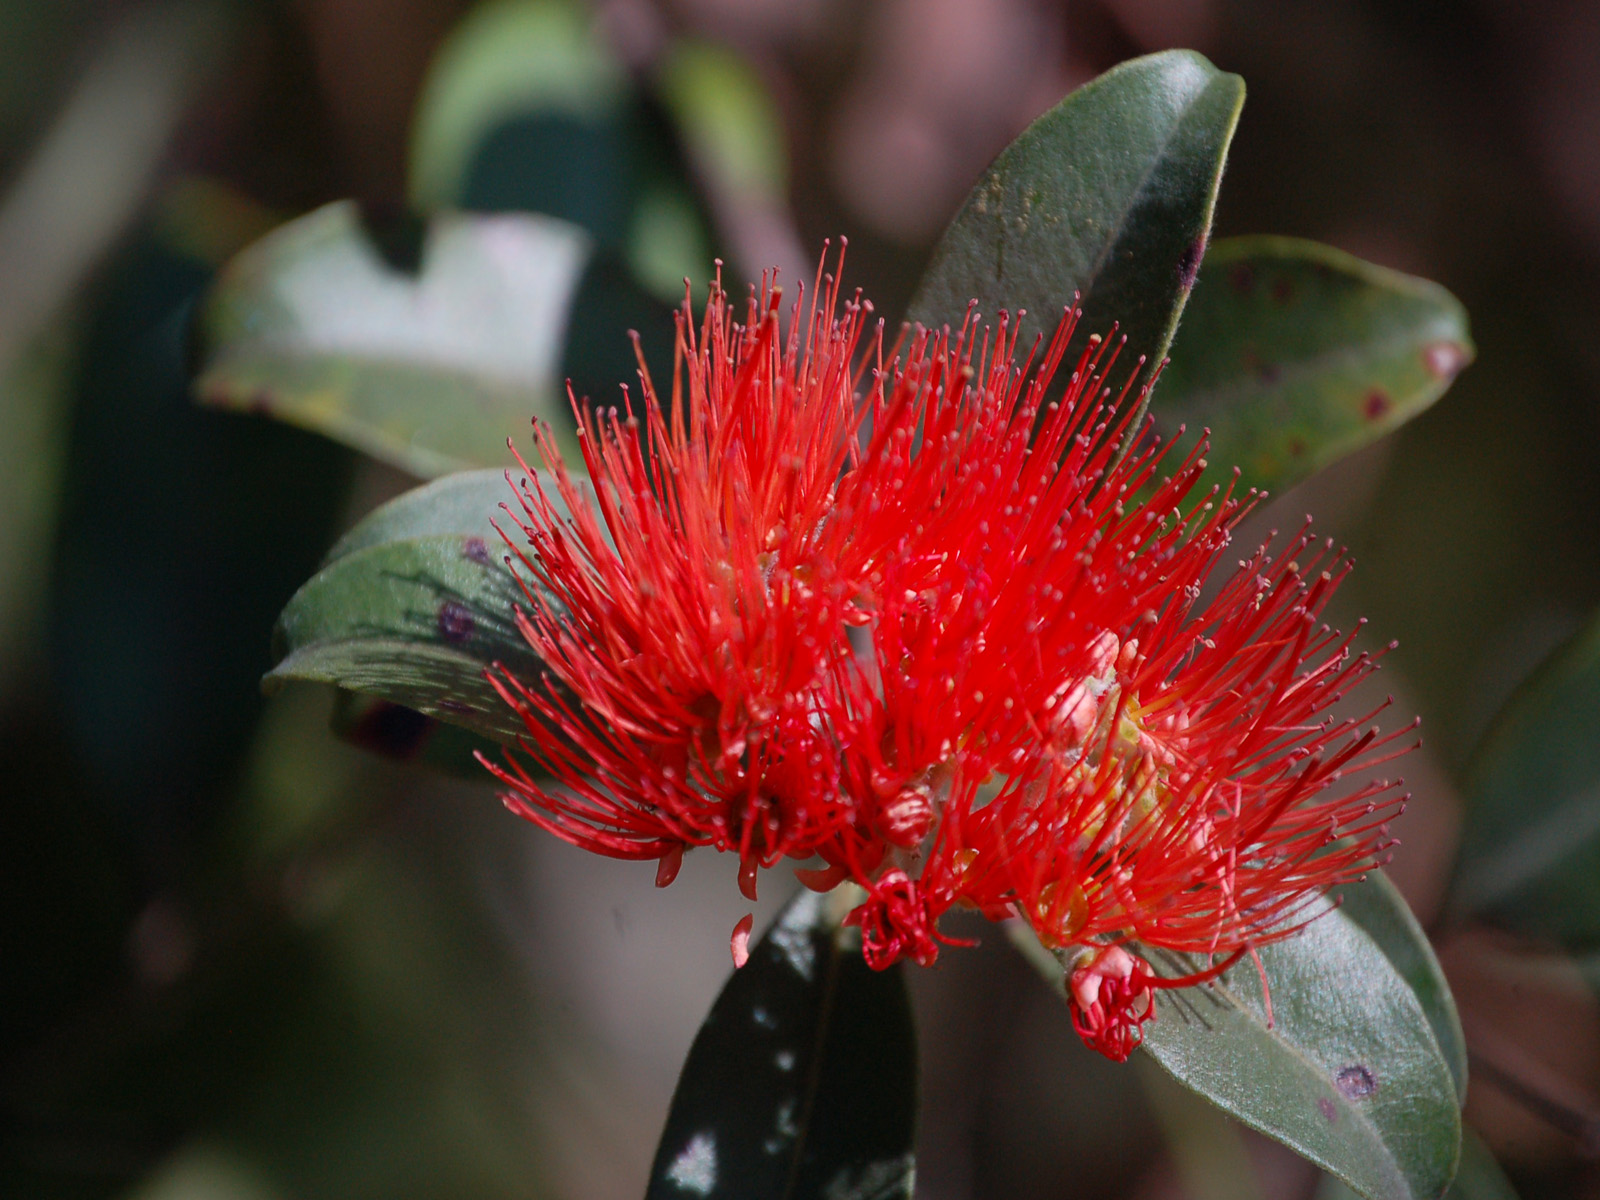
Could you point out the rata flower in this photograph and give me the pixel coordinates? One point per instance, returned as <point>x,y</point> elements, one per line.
<point>691,606</point>
<point>939,619</point>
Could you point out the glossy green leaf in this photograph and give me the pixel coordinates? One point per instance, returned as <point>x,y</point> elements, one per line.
<point>412,606</point>
<point>803,1080</point>
<point>1109,194</point>
<point>431,369</point>
<point>466,503</point>
<point>507,58</point>
<point>1383,915</point>
<point>1478,1178</point>
<point>1348,1073</point>
<point>1530,841</point>
<point>1294,354</point>
<point>1205,1146</point>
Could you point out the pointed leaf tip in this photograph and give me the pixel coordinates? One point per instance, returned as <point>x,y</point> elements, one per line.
<point>1108,196</point>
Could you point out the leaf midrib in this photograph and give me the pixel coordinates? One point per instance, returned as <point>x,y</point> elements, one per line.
<point>1137,194</point>
<point>830,992</point>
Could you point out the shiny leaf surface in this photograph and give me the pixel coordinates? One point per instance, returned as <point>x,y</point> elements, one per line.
<point>1109,194</point>
<point>1294,354</point>
<point>412,606</point>
<point>1383,915</point>
<point>1479,1177</point>
<point>803,1080</point>
<point>1348,1073</point>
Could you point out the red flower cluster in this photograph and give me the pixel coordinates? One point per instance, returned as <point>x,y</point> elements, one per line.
<point>929,618</point>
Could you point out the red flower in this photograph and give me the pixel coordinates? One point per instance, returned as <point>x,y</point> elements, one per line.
<point>692,610</point>
<point>1039,716</point>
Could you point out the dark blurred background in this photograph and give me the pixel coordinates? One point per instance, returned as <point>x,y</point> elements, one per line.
<point>240,959</point>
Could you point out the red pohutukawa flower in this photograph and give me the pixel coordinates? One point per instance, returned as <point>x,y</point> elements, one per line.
<point>936,618</point>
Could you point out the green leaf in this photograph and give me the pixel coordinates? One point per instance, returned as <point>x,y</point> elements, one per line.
<point>1349,1074</point>
<point>35,408</point>
<point>1109,194</point>
<point>1295,354</point>
<point>803,1080</point>
<point>1383,915</point>
<point>727,117</point>
<point>466,503</point>
<point>1530,840</point>
<point>1479,1177</point>
<point>526,108</point>
<point>417,622</point>
<point>431,370</point>
<point>506,59</point>
<point>412,606</point>
<point>1205,1146</point>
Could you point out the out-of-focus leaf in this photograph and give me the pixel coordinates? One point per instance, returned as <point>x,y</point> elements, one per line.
<point>802,1082</point>
<point>1109,194</point>
<point>34,395</point>
<point>91,170</point>
<point>395,731</point>
<point>507,59</point>
<point>154,676</point>
<point>205,1171</point>
<point>208,220</point>
<point>1294,354</point>
<point>1210,1157</point>
<point>526,109</point>
<point>35,63</point>
<point>1348,1073</point>
<point>1478,1178</point>
<point>1383,915</point>
<point>431,370</point>
<point>726,116</point>
<point>1530,842</point>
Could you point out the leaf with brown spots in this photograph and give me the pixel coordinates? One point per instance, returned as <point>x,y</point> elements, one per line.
<point>1295,354</point>
<point>1348,1072</point>
<point>409,610</point>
